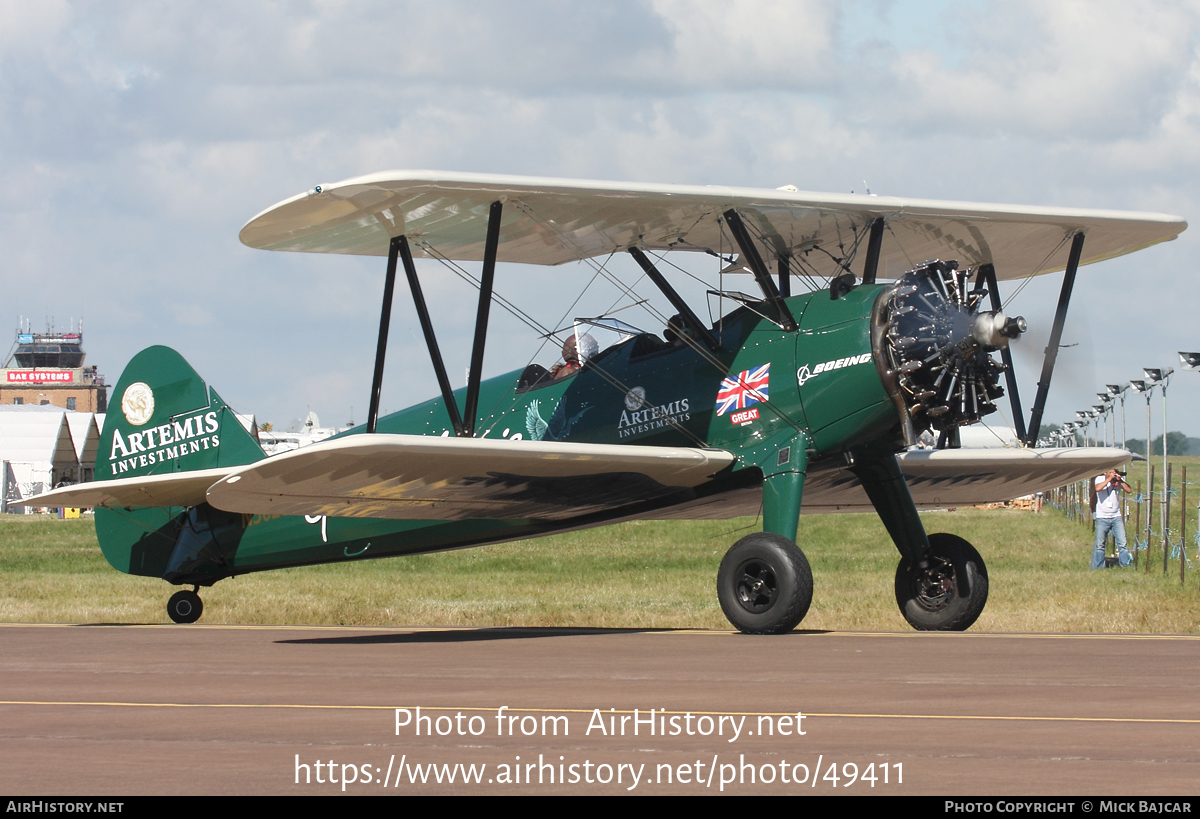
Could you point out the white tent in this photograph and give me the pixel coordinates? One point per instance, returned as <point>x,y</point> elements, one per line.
<point>85,434</point>
<point>36,450</point>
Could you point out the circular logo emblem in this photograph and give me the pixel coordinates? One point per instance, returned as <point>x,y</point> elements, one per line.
<point>138,403</point>
<point>635,398</point>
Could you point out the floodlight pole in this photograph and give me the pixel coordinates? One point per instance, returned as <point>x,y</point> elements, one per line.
<point>1123,438</point>
<point>1149,455</point>
<point>1166,498</point>
<point>1102,412</point>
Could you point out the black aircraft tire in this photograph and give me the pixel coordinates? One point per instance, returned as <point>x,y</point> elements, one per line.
<point>185,607</point>
<point>946,593</point>
<point>764,584</point>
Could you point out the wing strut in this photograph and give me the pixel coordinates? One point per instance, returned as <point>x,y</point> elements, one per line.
<point>746,245</point>
<point>874,245</point>
<point>785,275</point>
<point>385,320</point>
<point>988,271</point>
<point>439,369</point>
<point>689,317</point>
<point>1060,318</point>
<point>481,317</point>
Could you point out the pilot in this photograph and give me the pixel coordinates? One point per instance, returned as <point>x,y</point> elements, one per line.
<point>677,331</point>
<point>575,355</point>
<point>1106,507</point>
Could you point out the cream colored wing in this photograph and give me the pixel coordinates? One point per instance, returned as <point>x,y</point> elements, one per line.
<point>936,479</point>
<point>415,477</point>
<point>552,221</point>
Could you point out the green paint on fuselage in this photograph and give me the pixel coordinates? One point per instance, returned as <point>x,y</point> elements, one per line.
<point>641,392</point>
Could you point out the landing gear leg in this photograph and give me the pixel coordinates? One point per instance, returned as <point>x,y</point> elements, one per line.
<point>764,584</point>
<point>947,590</point>
<point>185,606</point>
<point>941,582</point>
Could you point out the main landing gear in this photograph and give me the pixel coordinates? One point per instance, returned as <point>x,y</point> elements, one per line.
<point>185,606</point>
<point>764,584</point>
<point>944,591</point>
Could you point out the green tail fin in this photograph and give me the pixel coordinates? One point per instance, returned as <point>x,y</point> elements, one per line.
<point>163,418</point>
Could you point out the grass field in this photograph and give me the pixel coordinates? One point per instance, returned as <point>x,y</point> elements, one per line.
<point>635,575</point>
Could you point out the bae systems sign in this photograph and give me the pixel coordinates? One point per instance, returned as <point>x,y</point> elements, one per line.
<point>39,376</point>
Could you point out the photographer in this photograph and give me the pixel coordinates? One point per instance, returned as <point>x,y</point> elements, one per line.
<point>1106,508</point>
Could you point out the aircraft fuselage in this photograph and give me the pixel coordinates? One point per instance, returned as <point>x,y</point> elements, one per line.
<point>814,391</point>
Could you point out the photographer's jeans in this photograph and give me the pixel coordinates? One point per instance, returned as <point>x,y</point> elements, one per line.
<point>1103,527</point>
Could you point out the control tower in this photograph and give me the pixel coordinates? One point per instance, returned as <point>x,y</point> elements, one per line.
<point>47,368</point>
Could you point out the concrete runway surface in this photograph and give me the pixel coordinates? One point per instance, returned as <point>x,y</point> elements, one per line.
<point>129,710</point>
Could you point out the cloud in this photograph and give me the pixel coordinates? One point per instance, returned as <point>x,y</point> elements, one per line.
<point>1087,70</point>
<point>136,139</point>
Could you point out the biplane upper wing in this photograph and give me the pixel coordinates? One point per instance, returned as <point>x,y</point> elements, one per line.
<point>173,489</point>
<point>414,477</point>
<point>552,221</point>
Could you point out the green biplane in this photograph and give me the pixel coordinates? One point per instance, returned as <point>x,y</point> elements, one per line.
<point>817,398</point>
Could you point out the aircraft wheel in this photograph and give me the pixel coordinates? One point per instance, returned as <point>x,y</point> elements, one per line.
<point>946,591</point>
<point>185,607</point>
<point>764,584</point>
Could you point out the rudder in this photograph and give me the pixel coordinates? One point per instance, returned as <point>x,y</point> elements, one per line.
<point>164,418</point>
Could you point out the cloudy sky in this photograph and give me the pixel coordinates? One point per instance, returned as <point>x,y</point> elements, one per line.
<point>137,138</point>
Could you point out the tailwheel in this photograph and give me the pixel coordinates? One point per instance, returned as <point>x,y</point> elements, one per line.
<point>185,607</point>
<point>947,590</point>
<point>764,584</point>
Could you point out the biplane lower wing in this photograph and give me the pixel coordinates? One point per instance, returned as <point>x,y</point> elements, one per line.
<point>404,477</point>
<point>963,477</point>
<point>413,477</point>
<point>937,479</point>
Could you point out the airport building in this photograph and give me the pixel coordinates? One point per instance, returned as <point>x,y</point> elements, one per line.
<point>47,369</point>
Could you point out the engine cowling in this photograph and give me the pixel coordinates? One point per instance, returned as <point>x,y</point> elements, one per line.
<point>934,346</point>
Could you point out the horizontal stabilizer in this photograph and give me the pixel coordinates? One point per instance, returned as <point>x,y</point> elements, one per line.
<point>415,477</point>
<point>174,489</point>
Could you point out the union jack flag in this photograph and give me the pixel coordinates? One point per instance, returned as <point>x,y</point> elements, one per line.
<point>748,388</point>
